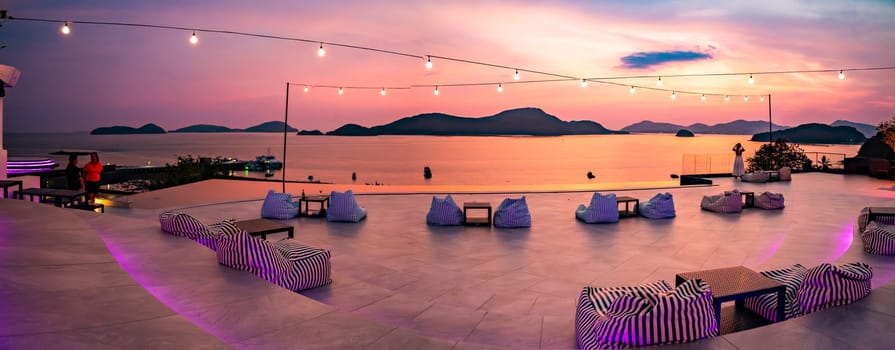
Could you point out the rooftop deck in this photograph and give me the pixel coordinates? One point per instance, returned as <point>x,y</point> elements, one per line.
<point>76,279</point>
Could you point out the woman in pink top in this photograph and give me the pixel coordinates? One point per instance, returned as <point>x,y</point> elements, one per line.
<point>92,171</point>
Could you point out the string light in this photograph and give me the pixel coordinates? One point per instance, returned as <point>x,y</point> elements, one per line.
<point>702,98</point>
<point>499,87</point>
<point>659,82</point>
<point>751,81</point>
<point>382,92</point>
<point>726,98</point>
<point>436,91</point>
<point>583,83</point>
<point>428,62</point>
<point>321,52</point>
<point>745,98</point>
<point>341,91</point>
<point>841,74</point>
<point>632,89</point>
<point>194,39</point>
<point>673,95</point>
<point>65,29</point>
<point>306,89</point>
<point>761,98</point>
<point>516,75</point>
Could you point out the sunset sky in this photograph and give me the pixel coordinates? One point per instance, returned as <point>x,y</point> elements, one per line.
<point>106,75</point>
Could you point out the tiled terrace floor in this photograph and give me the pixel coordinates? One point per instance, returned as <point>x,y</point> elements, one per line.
<point>398,283</point>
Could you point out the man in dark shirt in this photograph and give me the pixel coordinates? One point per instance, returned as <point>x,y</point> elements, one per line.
<point>73,174</point>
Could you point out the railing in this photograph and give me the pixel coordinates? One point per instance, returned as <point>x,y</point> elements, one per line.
<point>701,163</point>
<point>833,160</point>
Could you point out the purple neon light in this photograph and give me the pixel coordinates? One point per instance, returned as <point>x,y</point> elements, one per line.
<point>24,163</point>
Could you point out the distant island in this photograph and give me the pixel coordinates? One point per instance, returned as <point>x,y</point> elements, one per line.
<point>816,133</point>
<point>271,126</point>
<point>736,127</point>
<point>119,130</point>
<point>866,129</point>
<point>684,133</point>
<point>521,121</point>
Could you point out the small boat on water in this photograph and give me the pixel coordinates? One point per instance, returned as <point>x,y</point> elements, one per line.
<point>264,163</point>
<point>427,173</point>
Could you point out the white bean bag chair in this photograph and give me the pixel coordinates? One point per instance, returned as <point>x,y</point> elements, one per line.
<point>755,177</point>
<point>602,209</point>
<point>444,212</point>
<point>766,304</point>
<point>864,216</point>
<point>278,205</point>
<point>786,174</point>
<point>727,202</point>
<point>512,213</point>
<point>768,200</point>
<point>648,314</point>
<point>286,263</point>
<point>661,206</point>
<point>829,285</point>
<point>343,207</point>
<point>879,238</point>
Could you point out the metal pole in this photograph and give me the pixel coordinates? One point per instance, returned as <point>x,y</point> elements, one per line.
<point>285,128</point>
<point>770,133</point>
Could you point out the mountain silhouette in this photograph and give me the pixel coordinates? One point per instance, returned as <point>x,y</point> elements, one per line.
<point>124,130</point>
<point>816,133</point>
<point>736,127</point>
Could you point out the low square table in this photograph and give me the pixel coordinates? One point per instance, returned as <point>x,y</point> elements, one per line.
<point>736,284</point>
<point>304,205</point>
<point>6,184</point>
<point>261,227</point>
<point>627,213</point>
<point>749,199</point>
<point>476,220</point>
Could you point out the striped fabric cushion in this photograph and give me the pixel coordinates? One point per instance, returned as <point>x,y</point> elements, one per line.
<point>879,238</point>
<point>278,205</point>
<point>602,209</point>
<point>829,285</point>
<point>593,303</point>
<point>786,174</point>
<point>864,216</point>
<point>244,252</point>
<point>766,304</point>
<point>226,227</point>
<point>166,219</point>
<point>343,207</point>
<point>183,224</point>
<point>512,213</point>
<point>309,267</point>
<point>755,177</point>
<point>661,206</point>
<point>727,202</point>
<point>768,200</point>
<point>444,212</point>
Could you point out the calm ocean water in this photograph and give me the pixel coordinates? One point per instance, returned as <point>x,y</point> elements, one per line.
<point>399,160</point>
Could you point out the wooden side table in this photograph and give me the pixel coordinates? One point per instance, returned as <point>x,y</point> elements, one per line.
<point>262,227</point>
<point>6,184</point>
<point>627,213</point>
<point>304,205</point>
<point>476,220</point>
<point>748,199</point>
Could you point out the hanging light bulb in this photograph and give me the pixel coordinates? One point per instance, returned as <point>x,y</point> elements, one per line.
<point>194,39</point>
<point>306,89</point>
<point>516,75</point>
<point>341,91</point>
<point>751,81</point>
<point>702,98</point>
<point>65,29</point>
<point>726,98</point>
<point>761,98</point>
<point>321,52</point>
<point>745,98</point>
<point>499,87</point>
<point>673,95</point>
<point>583,83</point>
<point>436,91</point>
<point>632,89</point>
<point>659,82</point>
<point>841,73</point>
<point>382,92</point>
<point>428,62</point>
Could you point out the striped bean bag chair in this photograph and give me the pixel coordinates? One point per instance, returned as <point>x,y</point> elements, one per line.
<point>864,217</point>
<point>829,285</point>
<point>512,213</point>
<point>755,177</point>
<point>278,205</point>
<point>343,207</point>
<point>602,209</point>
<point>879,238</point>
<point>286,263</point>
<point>661,206</point>
<point>786,174</point>
<point>766,304</point>
<point>649,314</point>
<point>210,240</point>
<point>768,200</point>
<point>727,202</point>
<point>182,224</point>
<point>444,212</point>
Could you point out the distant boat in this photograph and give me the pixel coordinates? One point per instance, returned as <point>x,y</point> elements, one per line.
<point>427,173</point>
<point>264,163</point>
